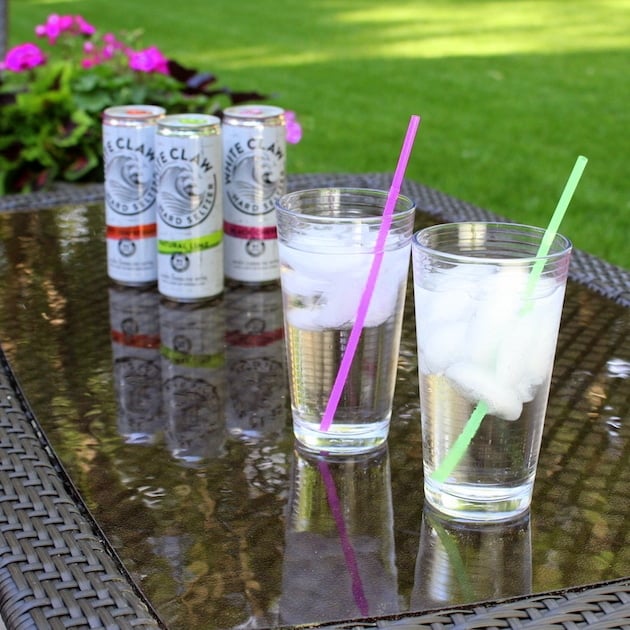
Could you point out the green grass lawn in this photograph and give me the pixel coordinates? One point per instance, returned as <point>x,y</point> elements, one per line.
<point>510,91</point>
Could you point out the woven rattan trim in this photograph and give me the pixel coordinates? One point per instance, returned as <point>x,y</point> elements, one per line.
<point>55,570</point>
<point>599,607</point>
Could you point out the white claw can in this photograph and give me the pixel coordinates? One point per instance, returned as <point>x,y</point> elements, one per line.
<point>254,175</point>
<point>130,192</point>
<point>189,163</point>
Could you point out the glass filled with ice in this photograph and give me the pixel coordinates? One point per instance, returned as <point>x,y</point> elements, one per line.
<point>488,309</point>
<point>326,244</point>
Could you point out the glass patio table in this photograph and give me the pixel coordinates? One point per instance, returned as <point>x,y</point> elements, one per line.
<point>150,477</point>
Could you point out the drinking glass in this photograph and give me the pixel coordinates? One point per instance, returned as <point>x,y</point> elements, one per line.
<point>326,242</point>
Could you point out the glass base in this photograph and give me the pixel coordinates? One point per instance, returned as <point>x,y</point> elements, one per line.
<point>341,439</point>
<point>478,503</point>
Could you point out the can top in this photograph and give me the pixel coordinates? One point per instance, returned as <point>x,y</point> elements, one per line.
<point>255,113</point>
<point>132,113</point>
<point>188,122</point>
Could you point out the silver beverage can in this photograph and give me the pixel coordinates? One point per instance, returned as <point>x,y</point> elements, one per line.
<point>254,175</point>
<point>130,192</point>
<point>189,162</point>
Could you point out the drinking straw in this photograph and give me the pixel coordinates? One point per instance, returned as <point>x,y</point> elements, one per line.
<point>364,303</point>
<point>348,551</point>
<point>470,428</point>
<point>454,556</point>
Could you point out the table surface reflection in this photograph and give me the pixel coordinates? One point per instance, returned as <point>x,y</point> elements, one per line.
<point>173,421</point>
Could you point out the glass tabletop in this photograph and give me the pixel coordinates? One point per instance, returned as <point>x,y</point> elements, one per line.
<point>173,422</point>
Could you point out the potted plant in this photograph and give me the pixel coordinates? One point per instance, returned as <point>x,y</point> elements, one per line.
<point>52,94</point>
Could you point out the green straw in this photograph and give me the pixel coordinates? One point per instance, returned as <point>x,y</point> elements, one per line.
<point>460,445</point>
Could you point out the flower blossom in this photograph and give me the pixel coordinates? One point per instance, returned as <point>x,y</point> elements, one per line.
<point>57,24</point>
<point>148,60</point>
<point>293,127</point>
<point>23,57</point>
<point>84,27</point>
<point>95,55</point>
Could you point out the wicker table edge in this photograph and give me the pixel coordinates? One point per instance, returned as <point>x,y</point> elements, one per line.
<point>49,542</point>
<point>25,453</point>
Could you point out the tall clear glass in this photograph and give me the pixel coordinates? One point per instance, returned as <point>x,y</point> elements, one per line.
<point>488,310</point>
<point>326,241</point>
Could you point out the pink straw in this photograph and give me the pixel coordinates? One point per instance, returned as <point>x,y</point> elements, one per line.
<point>355,333</point>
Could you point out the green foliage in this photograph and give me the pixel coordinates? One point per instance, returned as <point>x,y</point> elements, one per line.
<point>50,114</point>
<point>509,92</point>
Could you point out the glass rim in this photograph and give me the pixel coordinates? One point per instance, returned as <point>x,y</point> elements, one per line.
<point>563,246</point>
<point>368,194</point>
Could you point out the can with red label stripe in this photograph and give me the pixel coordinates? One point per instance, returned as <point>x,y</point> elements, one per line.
<point>130,192</point>
<point>188,156</point>
<point>254,176</point>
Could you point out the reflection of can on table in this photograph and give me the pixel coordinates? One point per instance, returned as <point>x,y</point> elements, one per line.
<point>255,352</point>
<point>135,337</point>
<point>188,157</point>
<point>193,378</point>
<point>130,192</point>
<point>254,155</point>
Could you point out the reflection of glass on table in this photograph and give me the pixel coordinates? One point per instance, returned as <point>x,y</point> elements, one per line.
<point>339,563</point>
<point>460,562</point>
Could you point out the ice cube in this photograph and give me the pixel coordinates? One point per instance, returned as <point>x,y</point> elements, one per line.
<point>478,384</point>
<point>393,273</point>
<point>441,345</point>
<point>525,353</point>
<point>450,293</point>
<point>334,283</point>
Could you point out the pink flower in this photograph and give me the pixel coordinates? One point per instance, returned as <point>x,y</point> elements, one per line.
<point>148,60</point>
<point>293,127</point>
<point>85,28</point>
<point>110,39</point>
<point>23,57</point>
<point>57,24</point>
<point>54,26</point>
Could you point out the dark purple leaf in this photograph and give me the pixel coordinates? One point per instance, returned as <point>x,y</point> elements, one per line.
<point>179,72</point>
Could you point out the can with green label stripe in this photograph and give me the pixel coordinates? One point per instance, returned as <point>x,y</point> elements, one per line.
<point>189,163</point>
